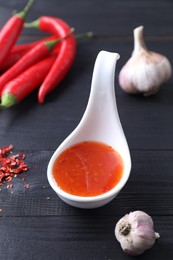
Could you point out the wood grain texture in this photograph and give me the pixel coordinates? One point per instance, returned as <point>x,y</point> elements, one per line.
<point>34,222</point>
<point>50,123</point>
<point>150,188</point>
<point>85,237</point>
<point>103,17</point>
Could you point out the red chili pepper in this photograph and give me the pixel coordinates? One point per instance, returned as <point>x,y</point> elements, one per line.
<point>17,89</point>
<point>66,55</point>
<point>30,45</point>
<point>12,58</point>
<point>11,31</point>
<point>18,51</point>
<point>40,51</point>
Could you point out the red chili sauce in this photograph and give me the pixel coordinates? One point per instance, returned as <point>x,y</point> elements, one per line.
<point>88,169</point>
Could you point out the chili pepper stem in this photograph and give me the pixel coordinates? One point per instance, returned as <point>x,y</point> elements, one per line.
<point>87,35</point>
<point>33,24</point>
<point>26,9</point>
<point>7,100</point>
<point>51,44</point>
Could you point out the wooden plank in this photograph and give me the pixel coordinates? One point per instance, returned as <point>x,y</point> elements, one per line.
<point>50,123</point>
<point>34,222</point>
<point>111,17</point>
<point>74,238</point>
<point>150,188</point>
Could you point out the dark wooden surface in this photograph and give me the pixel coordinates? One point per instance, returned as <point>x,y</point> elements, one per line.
<point>34,222</point>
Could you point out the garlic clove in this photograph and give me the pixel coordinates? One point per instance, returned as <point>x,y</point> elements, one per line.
<point>145,71</point>
<point>135,232</point>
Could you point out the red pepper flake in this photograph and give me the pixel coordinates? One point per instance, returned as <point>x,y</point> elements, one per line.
<point>10,186</point>
<point>10,165</point>
<point>26,186</point>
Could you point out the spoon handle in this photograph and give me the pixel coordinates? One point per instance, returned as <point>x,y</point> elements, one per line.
<point>101,108</point>
<point>103,73</point>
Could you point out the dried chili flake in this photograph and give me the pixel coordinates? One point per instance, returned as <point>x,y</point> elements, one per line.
<point>10,186</point>
<point>5,150</point>
<point>10,165</point>
<point>26,186</point>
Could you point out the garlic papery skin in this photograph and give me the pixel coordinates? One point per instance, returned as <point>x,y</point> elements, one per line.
<point>135,232</point>
<point>145,71</point>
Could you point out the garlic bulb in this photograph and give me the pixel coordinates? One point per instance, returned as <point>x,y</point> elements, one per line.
<point>135,232</point>
<point>145,71</point>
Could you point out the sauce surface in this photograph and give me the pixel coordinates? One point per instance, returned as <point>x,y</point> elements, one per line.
<point>88,169</point>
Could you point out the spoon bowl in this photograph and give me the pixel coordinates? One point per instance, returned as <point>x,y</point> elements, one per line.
<point>99,123</point>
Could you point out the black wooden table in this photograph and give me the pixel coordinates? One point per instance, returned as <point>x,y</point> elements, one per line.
<point>34,222</point>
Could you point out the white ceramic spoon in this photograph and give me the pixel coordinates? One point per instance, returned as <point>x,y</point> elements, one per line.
<point>101,123</point>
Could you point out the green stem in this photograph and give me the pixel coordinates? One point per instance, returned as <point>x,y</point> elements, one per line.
<point>7,100</point>
<point>52,43</point>
<point>87,35</point>
<point>33,24</point>
<point>26,9</point>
